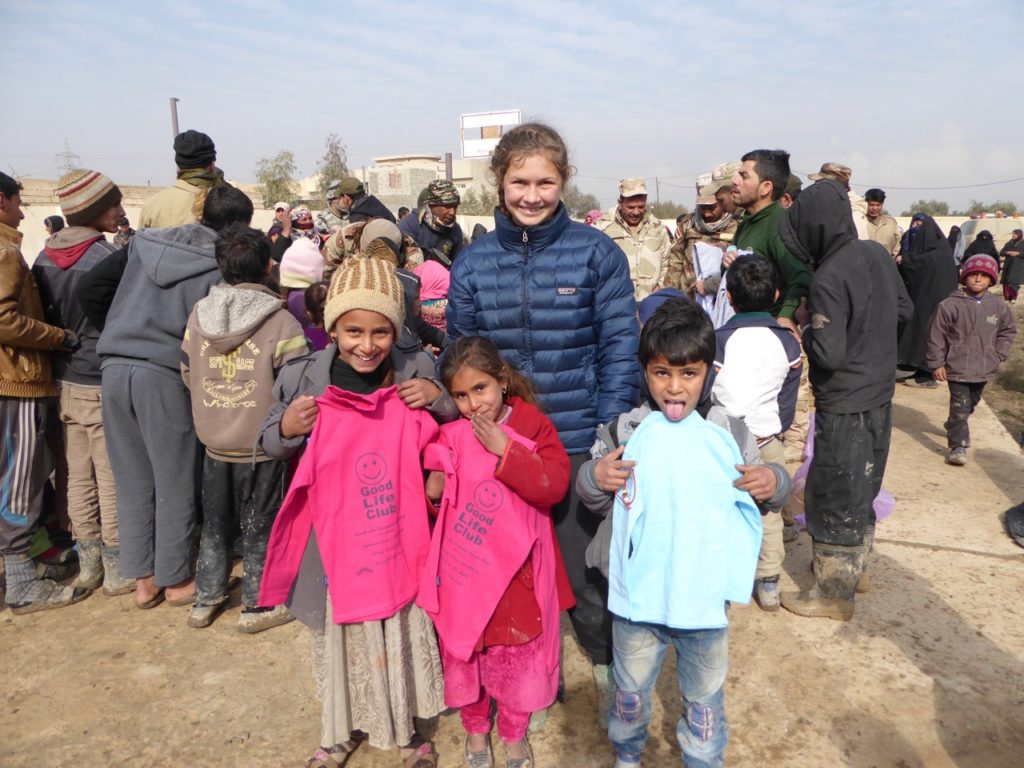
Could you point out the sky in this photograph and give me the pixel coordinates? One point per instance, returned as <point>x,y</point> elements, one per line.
<point>922,98</point>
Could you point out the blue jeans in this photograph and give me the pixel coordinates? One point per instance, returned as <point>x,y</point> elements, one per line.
<point>702,657</point>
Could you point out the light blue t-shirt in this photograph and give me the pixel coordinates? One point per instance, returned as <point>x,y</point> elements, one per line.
<point>684,540</point>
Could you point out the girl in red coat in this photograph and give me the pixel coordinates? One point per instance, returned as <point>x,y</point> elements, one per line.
<point>494,583</point>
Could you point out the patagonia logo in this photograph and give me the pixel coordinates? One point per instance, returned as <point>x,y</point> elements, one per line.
<point>566,291</point>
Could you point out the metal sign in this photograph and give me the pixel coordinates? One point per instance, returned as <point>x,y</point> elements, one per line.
<point>481,131</point>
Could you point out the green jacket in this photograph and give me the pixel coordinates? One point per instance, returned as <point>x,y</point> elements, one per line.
<point>760,233</point>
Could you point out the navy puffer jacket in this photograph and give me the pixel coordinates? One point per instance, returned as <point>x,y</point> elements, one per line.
<point>557,301</point>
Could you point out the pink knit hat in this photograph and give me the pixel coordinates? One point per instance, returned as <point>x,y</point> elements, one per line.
<point>302,265</point>
<point>982,263</point>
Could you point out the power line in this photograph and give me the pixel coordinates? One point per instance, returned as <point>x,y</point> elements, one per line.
<point>888,187</point>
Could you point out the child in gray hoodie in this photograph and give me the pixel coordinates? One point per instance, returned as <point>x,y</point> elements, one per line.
<point>236,341</point>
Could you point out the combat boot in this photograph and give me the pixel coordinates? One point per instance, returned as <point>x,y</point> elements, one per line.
<point>90,566</point>
<point>113,582</point>
<point>836,570</point>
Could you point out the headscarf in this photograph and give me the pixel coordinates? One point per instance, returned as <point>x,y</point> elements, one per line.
<point>983,244</point>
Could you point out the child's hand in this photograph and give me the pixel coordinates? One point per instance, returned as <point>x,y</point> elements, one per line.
<point>299,417</point>
<point>435,486</point>
<point>418,393</point>
<point>611,472</point>
<point>757,480</point>
<point>491,436</point>
<point>939,374</point>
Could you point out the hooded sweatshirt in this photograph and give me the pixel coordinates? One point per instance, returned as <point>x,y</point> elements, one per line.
<point>65,259</point>
<point>167,272</point>
<point>236,341</point>
<point>856,301</point>
<point>970,336</point>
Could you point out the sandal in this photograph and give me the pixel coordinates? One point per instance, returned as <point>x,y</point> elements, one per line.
<point>423,756</point>
<point>520,762</point>
<point>482,759</point>
<point>332,757</point>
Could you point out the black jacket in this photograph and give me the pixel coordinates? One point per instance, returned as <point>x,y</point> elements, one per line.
<point>857,301</point>
<point>369,207</point>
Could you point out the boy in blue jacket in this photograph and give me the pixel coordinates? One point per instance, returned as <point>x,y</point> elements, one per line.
<point>683,537</point>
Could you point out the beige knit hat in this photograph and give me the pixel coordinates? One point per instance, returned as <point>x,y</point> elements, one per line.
<point>367,281</point>
<point>85,195</point>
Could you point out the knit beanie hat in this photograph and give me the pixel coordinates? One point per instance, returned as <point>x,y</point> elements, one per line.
<point>302,265</point>
<point>377,228</point>
<point>193,149</point>
<point>85,195</point>
<point>983,263</point>
<point>367,281</point>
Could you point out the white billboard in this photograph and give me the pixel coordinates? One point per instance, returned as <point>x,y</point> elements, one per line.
<point>480,132</point>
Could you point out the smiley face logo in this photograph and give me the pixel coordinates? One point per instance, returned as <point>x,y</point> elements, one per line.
<point>488,496</point>
<point>370,468</point>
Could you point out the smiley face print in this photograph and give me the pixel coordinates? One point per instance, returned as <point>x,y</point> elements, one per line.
<point>488,496</point>
<point>371,469</point>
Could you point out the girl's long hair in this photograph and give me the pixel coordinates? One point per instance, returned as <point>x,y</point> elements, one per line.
<point>480,354</point>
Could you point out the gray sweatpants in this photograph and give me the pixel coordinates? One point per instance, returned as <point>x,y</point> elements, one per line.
<point>147,419</point>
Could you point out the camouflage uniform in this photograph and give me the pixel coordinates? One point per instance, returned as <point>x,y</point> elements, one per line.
<point>680,272</point>
<point>646,250</point>
<point>328,221</point>
<point>346,242</point>
<point>886,231</point>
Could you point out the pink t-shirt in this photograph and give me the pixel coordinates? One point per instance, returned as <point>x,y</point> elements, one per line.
<point>359,486</point>
<point>483,535</point>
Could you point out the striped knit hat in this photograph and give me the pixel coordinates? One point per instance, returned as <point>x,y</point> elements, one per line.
<point>85,195</point>
<point>368,281</point>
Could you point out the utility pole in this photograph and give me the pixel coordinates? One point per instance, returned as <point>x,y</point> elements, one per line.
<point>657,190</point>
<point>174,117</point>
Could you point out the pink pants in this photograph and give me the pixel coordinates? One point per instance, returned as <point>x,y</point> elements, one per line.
<point>511,674</point>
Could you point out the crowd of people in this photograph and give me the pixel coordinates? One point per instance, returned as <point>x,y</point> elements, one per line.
<point>425,446</point>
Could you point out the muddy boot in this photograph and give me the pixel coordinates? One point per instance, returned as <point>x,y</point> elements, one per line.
<point>113,582</point>
<point>90,566</point>
<point>28,593</point>
<point>864,582</point>
<point>836,569</point>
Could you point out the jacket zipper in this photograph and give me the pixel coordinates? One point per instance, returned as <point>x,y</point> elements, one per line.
<point>528,352</point>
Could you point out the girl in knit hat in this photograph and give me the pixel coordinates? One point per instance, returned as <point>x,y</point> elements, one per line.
<point>361,490</point>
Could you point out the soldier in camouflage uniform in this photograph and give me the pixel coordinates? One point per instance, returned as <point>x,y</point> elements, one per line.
<point>433,226</point>
<point>348,240</point>
<point>335,217</point>
<point>641,236</point>
<point>711,224</point>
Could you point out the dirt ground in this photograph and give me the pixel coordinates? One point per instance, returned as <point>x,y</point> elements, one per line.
<point>929,673</point>
<point>1005,395</point>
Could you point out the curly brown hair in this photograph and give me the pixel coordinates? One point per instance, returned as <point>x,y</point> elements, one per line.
<point>525,140</point>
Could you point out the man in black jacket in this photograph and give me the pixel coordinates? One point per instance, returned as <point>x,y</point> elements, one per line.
<point>856,302</point>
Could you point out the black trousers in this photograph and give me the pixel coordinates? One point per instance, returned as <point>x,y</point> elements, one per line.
<point>963,399</point>
<point>575,526</point>
<point>850,453</point>
<point>250,494</point>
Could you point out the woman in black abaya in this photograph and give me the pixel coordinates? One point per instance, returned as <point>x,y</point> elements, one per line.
<point>930,275</point>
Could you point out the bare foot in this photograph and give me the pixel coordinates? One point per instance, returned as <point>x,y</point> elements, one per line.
<point>516,750</point>
<point>145,589</point>
<point>182,589</point>
<point>477,741</point>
